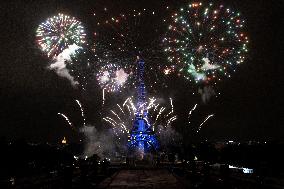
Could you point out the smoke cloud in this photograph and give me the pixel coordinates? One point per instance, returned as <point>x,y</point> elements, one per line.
<point>206,93</point>
<point>168,137</point>
<point>59,66</point>
<point>100,143</point>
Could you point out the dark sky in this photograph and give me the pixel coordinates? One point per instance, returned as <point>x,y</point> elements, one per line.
<point>250,105</point>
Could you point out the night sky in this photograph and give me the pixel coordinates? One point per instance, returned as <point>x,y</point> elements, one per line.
<point>250,105</point>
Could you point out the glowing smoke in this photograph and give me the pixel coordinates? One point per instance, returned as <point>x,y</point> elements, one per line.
<point>168,137</point>
<point>59,66</point>
<point>99,143</point>
<point>207,66</point>
<point>121,76</point>
<point>206,93</point>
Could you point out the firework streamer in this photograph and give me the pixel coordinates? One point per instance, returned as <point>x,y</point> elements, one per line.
<point>115,114</point>
<point>172,107</point>
<point>126,101</point>
<point>190,112</point>
<point>151,104</point>
<point>200,126</point>
<point>122,116</point>
<point>103,96</point>
<point>132,106</point>
<point>111,121</point>
<point>130,112</point>
<point>66,119</point>
<point>171,120</point>
<point>82,112</point>
<point>156,107</point>
<point>120,108</point>
<point>160,112</point>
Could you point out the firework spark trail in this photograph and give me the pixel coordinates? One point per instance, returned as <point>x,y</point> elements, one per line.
<point>200,126</point>
<point>124,127</point>
<point>111,121</point>
<point>126,101</point>
<point>120,108</point>
<point>171,120</point>
<point>160,112</point>
<point>122,116</point>
<point>114,123</point>
<point>115,115</point>
<point>66,118</point>
<point>172,108</point>
<point>82,112</point>
<point>151,104</point>
<point>132,106</point>
<point>156,107</point>
<point>190,112</point>
<point>142,106</point>
<point>103,96</point>
<point>130,113</point>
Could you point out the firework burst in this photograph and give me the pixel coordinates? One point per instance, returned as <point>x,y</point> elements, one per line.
<point>58,32</point>
<point>121,118</point>
<point>205,43</point>
<point>112,77</point>
<point>120,39</point>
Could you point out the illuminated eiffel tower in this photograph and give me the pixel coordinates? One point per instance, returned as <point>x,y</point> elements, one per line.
<point>142,136</point>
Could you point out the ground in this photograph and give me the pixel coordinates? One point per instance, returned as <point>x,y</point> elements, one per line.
<point>160,178</point>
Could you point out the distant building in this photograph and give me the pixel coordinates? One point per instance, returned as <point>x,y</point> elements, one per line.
<point>64,141</point>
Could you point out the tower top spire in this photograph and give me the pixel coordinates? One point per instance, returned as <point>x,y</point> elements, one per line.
<point>141,100</point>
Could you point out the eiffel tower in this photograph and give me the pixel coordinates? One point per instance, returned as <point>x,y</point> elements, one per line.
<point>142,136</point>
